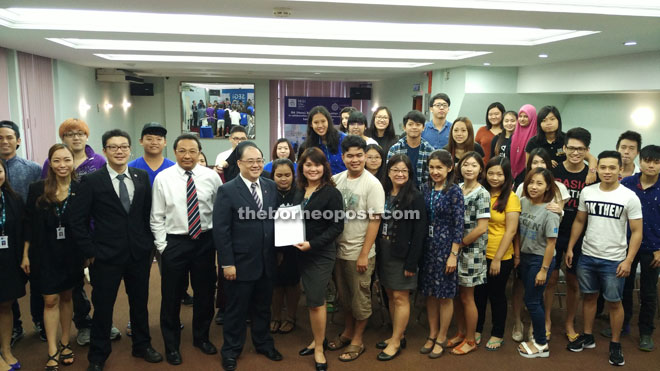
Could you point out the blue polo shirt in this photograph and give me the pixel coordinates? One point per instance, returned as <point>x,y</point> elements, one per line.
<point>139,163</point>
<point>650,199</point>
<point>436,138</point>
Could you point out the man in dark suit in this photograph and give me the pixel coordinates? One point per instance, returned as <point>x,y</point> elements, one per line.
<point>118,201</point>
<point>244,238</point>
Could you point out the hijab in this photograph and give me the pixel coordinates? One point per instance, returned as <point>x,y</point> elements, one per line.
<point>520,138</point>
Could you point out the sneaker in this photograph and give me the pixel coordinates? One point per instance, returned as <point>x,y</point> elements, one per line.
<point>616,354</point>
<point>607,332</point>
<point>582,342</point>
<point>39,327</point>
<point>114,333</point>
<point>129,332</point>
<point>645,343</point>
<point>16,335</point>
<point>83,336</point>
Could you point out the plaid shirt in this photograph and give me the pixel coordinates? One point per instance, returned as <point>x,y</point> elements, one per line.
<point>422,166</point>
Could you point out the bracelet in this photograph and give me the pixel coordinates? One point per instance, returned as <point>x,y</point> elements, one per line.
<point>454,253</point>
<point>545,268</point>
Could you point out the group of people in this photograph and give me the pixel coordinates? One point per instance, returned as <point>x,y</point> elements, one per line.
<point>221,116</point>
<point>438,209</point>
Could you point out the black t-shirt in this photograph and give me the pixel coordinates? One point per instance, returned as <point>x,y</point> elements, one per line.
<point>574,182</point>
<point>505,148</point>
<point>555,149</point>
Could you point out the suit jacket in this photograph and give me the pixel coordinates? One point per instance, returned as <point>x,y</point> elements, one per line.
<point>246,243</point>
<point>116,235</point>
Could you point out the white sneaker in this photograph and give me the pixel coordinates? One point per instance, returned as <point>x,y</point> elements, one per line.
<point>83,336</point>
<point>115,334</point>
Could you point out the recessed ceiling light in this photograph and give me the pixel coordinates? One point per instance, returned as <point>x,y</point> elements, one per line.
<point>317,73</point>
<point>630,43</point>
<point>268,61</point>
<point>315,29</point>
<point>288,50</point>
<point>543,56</point>
<point>643,8</point>
<point>486,64</point>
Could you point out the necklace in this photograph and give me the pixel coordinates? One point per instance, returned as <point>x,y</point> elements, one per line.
<point>467,191</point>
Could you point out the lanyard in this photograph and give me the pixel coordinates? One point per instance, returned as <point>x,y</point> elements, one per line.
<point>4,213</point>
<point>432,205</point>
<point>60,212</point>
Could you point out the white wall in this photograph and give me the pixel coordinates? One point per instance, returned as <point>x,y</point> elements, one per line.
<point>397,94</point>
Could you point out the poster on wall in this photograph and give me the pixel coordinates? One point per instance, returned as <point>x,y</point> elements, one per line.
<point>296,110</point>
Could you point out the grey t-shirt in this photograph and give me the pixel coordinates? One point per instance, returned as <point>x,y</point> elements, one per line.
<point>537,224</point>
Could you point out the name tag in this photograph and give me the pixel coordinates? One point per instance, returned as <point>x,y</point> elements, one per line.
<point>60,233</point>
<point>384,229</point>
<point>4,242</point>
<point>430,231</point>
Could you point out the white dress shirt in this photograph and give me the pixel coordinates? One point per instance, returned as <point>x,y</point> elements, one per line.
<point>169,207</point>
<point>249,185</point>
<point>223,156</point>
<point>128,181</point>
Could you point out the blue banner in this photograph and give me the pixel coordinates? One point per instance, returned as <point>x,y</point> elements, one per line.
<point>296,109</point>
<point>238,94</point>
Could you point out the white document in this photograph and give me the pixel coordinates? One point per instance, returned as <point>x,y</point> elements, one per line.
<point>289,226</point>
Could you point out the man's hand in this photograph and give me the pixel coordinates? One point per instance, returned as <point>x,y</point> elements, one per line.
<point>362,263</point>
<point>229,273</point>
<point>591,177</point>
<point>623,270</point>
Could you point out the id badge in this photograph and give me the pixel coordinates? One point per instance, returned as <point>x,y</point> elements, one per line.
<point>430,231</point>
<point>4,242</point>
<point>60,233</point>
<point>384,229</point>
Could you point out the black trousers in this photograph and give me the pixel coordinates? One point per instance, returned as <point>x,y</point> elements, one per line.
<point>648,283</point>
<point>494,290</point>
<point>183,255</point>
<point>106,278</point>
<point>247,298</point>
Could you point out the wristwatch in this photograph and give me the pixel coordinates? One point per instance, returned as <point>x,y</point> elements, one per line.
<point>545,268</point>
<point>454,253</point>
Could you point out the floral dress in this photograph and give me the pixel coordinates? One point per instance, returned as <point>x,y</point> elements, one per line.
<point>446,214</point>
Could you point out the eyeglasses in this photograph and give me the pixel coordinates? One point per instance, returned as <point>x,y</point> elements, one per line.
<point>73,134</point>
<point>398,171</point>
<point>253,161</point>
<point>114,148</point>
<point>238,139</point>
<point>576,149</point>
<point>382,117</point>
<point>183,152</point>
<point>441,105</point>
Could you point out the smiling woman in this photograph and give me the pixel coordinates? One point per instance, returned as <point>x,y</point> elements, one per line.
<point>211,109</point>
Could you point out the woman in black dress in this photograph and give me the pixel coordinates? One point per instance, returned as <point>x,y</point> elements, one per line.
<point>400,244</point>
<point>11,276</point>
<point>287,277</point>
<point>50,256</point>
<point>317,195</point>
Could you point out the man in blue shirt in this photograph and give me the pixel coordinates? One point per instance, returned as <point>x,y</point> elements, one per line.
<point>414,146</point>
<point>153,140</point>
<point>436,131</point>
<point>647,187</point>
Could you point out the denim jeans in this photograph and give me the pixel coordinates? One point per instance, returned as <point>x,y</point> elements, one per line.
<point>530,265</point>
<point>648,281</point>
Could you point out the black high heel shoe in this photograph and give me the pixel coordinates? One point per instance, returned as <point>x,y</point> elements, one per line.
<point>321,366</point>
<point>382,356</point>
<point>310,351</point>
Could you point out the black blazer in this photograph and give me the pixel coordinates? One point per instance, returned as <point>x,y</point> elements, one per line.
<point>408,234</point>
<point>13,229</point>
<point>116,235</point>
<point>247,244</point>
<point>322,233</point>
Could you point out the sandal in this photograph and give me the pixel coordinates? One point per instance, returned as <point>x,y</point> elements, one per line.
<point>541,351</point>
<point>494,345</point>
<point>286,323</point>
<point>353,352</point>
<point>434,355</point>
<point>53,358</point>
<point>338,342</point>
<point>274,326</point>
<point>517,332</point>
<point>458,350</point>
<point>428,350</point>
<point>65,358</point>
<point>458,339</point>
<point>477,339</point>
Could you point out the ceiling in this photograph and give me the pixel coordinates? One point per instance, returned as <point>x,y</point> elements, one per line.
<point>613,31</point>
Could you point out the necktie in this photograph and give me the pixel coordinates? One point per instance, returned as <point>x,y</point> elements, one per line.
<point>123,193</point>
<point>194,222</point>
<point>255,195</point>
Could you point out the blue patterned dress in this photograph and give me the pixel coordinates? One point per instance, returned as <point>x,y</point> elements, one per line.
<point>446,213</point>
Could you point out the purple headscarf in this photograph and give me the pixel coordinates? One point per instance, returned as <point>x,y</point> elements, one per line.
<point>520,138</point>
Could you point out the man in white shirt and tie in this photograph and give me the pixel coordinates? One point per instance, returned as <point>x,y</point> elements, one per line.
<point>182,222</point>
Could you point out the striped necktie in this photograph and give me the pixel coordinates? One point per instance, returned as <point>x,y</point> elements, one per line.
<point>255,195</point>
<point>194,222</point>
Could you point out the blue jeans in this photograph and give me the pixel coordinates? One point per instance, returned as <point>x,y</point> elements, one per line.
<point>530,265</point>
